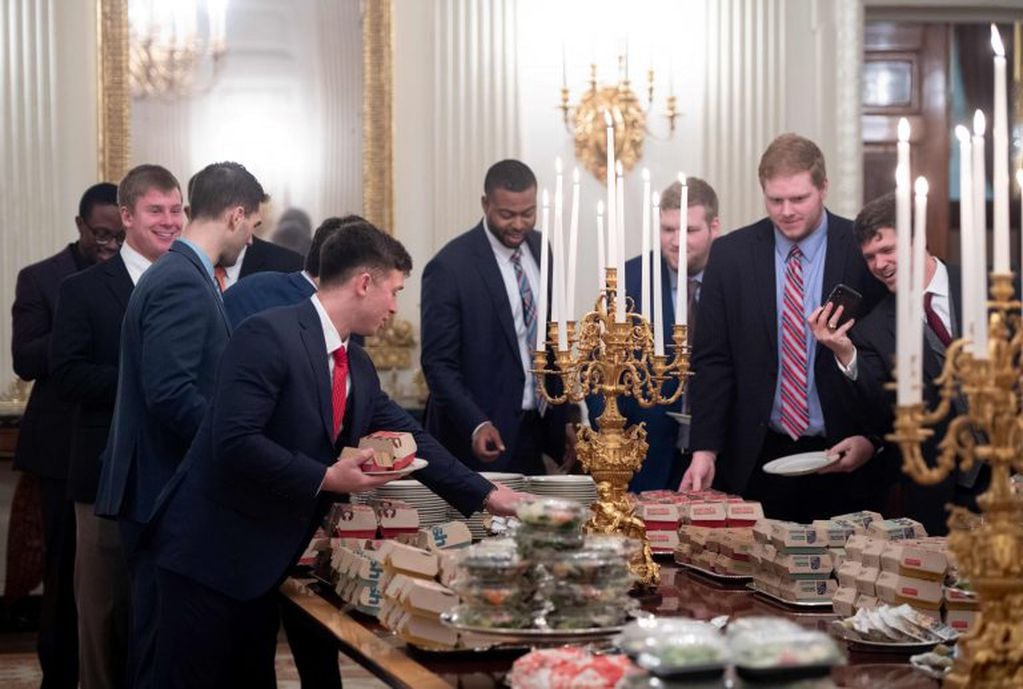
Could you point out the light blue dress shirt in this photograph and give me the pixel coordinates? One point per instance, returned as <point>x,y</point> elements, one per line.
<point>814,248</point>
<point>206,262</point>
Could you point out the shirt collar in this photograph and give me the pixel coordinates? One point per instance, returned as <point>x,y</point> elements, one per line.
<point>206,262</point>
<point>331,336</point>
<point>135,262</point>
<point>309,279</point>
<point>939,281</point>
<point>809,245</point>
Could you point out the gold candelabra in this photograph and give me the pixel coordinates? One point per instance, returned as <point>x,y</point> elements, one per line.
<point>614,358</point>
<point>585,120</point>
<point>989,550</point>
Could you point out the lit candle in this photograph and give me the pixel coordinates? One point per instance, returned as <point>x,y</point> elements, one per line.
<point>601,258</point>
<point>658,323</point>
<point>541,311</point>
<point>1000,165</point>
<point>903,238</point>
<point>610,175</point>
<point>980,231</point>
<point>919,273</point>
<point>558,276</point>
<point>620,240</point>
<point>644,256</point>
<point>967,240</point>
<point>682,292</point>
<point>573,244</point>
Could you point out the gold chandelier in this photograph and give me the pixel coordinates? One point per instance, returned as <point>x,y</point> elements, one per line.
<point>171,57</point>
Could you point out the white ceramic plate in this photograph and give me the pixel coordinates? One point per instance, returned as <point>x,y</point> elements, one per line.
<point>799,465</point>
<point>417,464</point>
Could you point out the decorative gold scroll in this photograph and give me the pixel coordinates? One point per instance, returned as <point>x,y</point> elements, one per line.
<point>113,93</point>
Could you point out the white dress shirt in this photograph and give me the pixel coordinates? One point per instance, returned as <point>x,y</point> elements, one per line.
<point>135,262</point>
<point>231,273</point>
<point>511,285</point>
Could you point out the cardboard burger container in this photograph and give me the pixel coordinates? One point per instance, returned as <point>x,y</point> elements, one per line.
<point>961,620</point>
<point>868,602</point>
<point>662,541</point>
<point>912,560</point>
<point>443,536</point>
<point>422,631</point>
<point>803,565</point>
<point>896,589</point>
<point>844,601</point>
<point>871,555</point>
<point>429,598</point>
<point>762,531</point>
<point>847,572</point>
<point>854,547</point>
<point>803,590</point>
<point>397,519</point>
<point>798,537</point>
<point>862,519</point>
<point>391,449</point>
<point>896,529</point>
<point>367,598</point>
<point>659,517</point>
<point>413,561</point>
<point>710,514</point>
<point>744,514</point>
<point>866,580</point>
<point>356,521</point>
<point>836,532</point>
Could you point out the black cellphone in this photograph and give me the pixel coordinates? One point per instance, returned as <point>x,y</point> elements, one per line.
<point>845,296</point>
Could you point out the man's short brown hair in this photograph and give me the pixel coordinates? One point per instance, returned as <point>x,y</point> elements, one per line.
<point>360,245</point>
<point>790,154</point>
<point>874,217</point>
<point>700,194</point>
<point>140,179</point>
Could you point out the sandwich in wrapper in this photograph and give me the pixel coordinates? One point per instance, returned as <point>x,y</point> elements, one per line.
<point>392,450</point>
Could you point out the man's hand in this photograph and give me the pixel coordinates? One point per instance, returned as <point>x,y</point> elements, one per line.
<point>700,473</point>
<point>487,443</point>
<point>823,324</point>
<point>571,440</point>
<point>855,451</point>
<point>346,476</point>
<point>503,501</point>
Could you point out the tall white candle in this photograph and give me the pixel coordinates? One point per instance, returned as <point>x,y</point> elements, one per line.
<point>682,293</point>
<point>903,238</point>
<point>919,274</point>
<point>967,240</point>
<point>1019,181</point>
<point>658,322</point>
<point>620,240</point>
<point>601,258</point>
<point>559,314</point>
<point>1000,165</point>
<point>573,244</point>
<point>541,300</point>
<point>980,231</point>
<point>644,256</point>
<point>610,175</point>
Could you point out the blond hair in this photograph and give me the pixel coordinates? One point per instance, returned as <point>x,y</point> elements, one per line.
<point>700,194</point>
<point>790,154</point>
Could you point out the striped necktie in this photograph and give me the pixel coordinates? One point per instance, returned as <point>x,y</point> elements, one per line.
<point>526,294</point>
<point>795,412</point>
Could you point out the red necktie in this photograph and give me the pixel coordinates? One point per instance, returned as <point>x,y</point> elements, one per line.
<point>339,387</point>
<point>220,274</point>
<point>934,321</point>
<point>795,410</point>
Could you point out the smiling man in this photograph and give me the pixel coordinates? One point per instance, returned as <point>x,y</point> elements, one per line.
<point>479,321</point>
<point>759,390</point>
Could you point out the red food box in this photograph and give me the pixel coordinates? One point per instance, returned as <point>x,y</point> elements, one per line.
<point>356,521</point>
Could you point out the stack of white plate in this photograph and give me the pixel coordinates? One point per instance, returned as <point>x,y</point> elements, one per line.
<point>516,482</point>
<point>571,487</point>
<point>432,508</point>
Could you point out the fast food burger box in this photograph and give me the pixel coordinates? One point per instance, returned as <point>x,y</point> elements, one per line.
<point>392,450</point>
<point>658,517</point>
<point>871,555</point>
<point>762,530</point>
<point>683,553</point>
<point>838,556</point>
<point>744,513</point>
<point>863,519</point>
<point>914,561</point>
<point>397,519</point>
<point>803,565</point>
<point>803,538</point>
<point>444,536</point>
<point>959,599</point>
<point>370,567</point>
<point>896,529</point>
<point>730,565</point>
<point>844,601</point>
<point>447,561</point>
<point>866,580</point>
<point>736,544</point>
<point>396,585</point>
<point>896,589</point>
<point>662,541</point>
<point>854,547</point>
<point>847,572</point>
<point>711,514</point>
<point>961,620</point>
<point>356,521</point>
<point>426,632</point>
<point>836,532</point>
<point>802,590</point>
<point>414,561</point>
<point>367,599</point>
<point>429,598</point>
<point>865,601</point>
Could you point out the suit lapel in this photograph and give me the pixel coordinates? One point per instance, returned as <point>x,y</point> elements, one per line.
<point>955,286</point>
<point>762,262</point>
<point>835,255</point>
<point>490,273</point>
<point>315,348</point>
<point>118,280</point>
<point>667,301</point>
<point>358,397</point>
<point>196,262</point>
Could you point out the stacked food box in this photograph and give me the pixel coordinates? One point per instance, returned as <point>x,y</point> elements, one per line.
<point>716,532</point>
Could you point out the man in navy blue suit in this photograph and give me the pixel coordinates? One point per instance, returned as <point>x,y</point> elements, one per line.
<point>479,322</point>
<point>761,389</point>
<point>292,391</point>
<point>266,290</point>
<point>174,332</point>
<point>667,457</point>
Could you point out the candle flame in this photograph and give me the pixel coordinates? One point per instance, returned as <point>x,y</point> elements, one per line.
<point>646,174</point>
<point>557,165</point>
<point>608,122</point>
<point>575,175</point>
<point>600,208</point>
<point>996,42</point>
<point>546,198</point>
<point>979,123</point>
<point>903,129</point>
<point>963,134</point>
<point>655,198</point>
<point>619,169</point>
<point>682,179</point>
<point>921,186</point>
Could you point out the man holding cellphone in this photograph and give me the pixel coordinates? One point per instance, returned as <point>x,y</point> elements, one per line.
<point>864,353</point>
<point>760,388</point>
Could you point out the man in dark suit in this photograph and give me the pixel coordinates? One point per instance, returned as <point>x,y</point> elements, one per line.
<point>479,321</point>
<point>759,390</point>
<point>865,354</point>
<point>291,392</point>
<point>174,332</point>
<point>84,354</point>
<point>266,290</point>
<point>44,439</point>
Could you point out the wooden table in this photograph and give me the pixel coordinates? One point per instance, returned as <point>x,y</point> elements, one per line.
<point>681,593</point>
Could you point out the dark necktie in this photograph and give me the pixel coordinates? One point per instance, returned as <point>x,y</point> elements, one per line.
<point>339,387</point>
<point>934,320</point>
<point>795,409</point>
